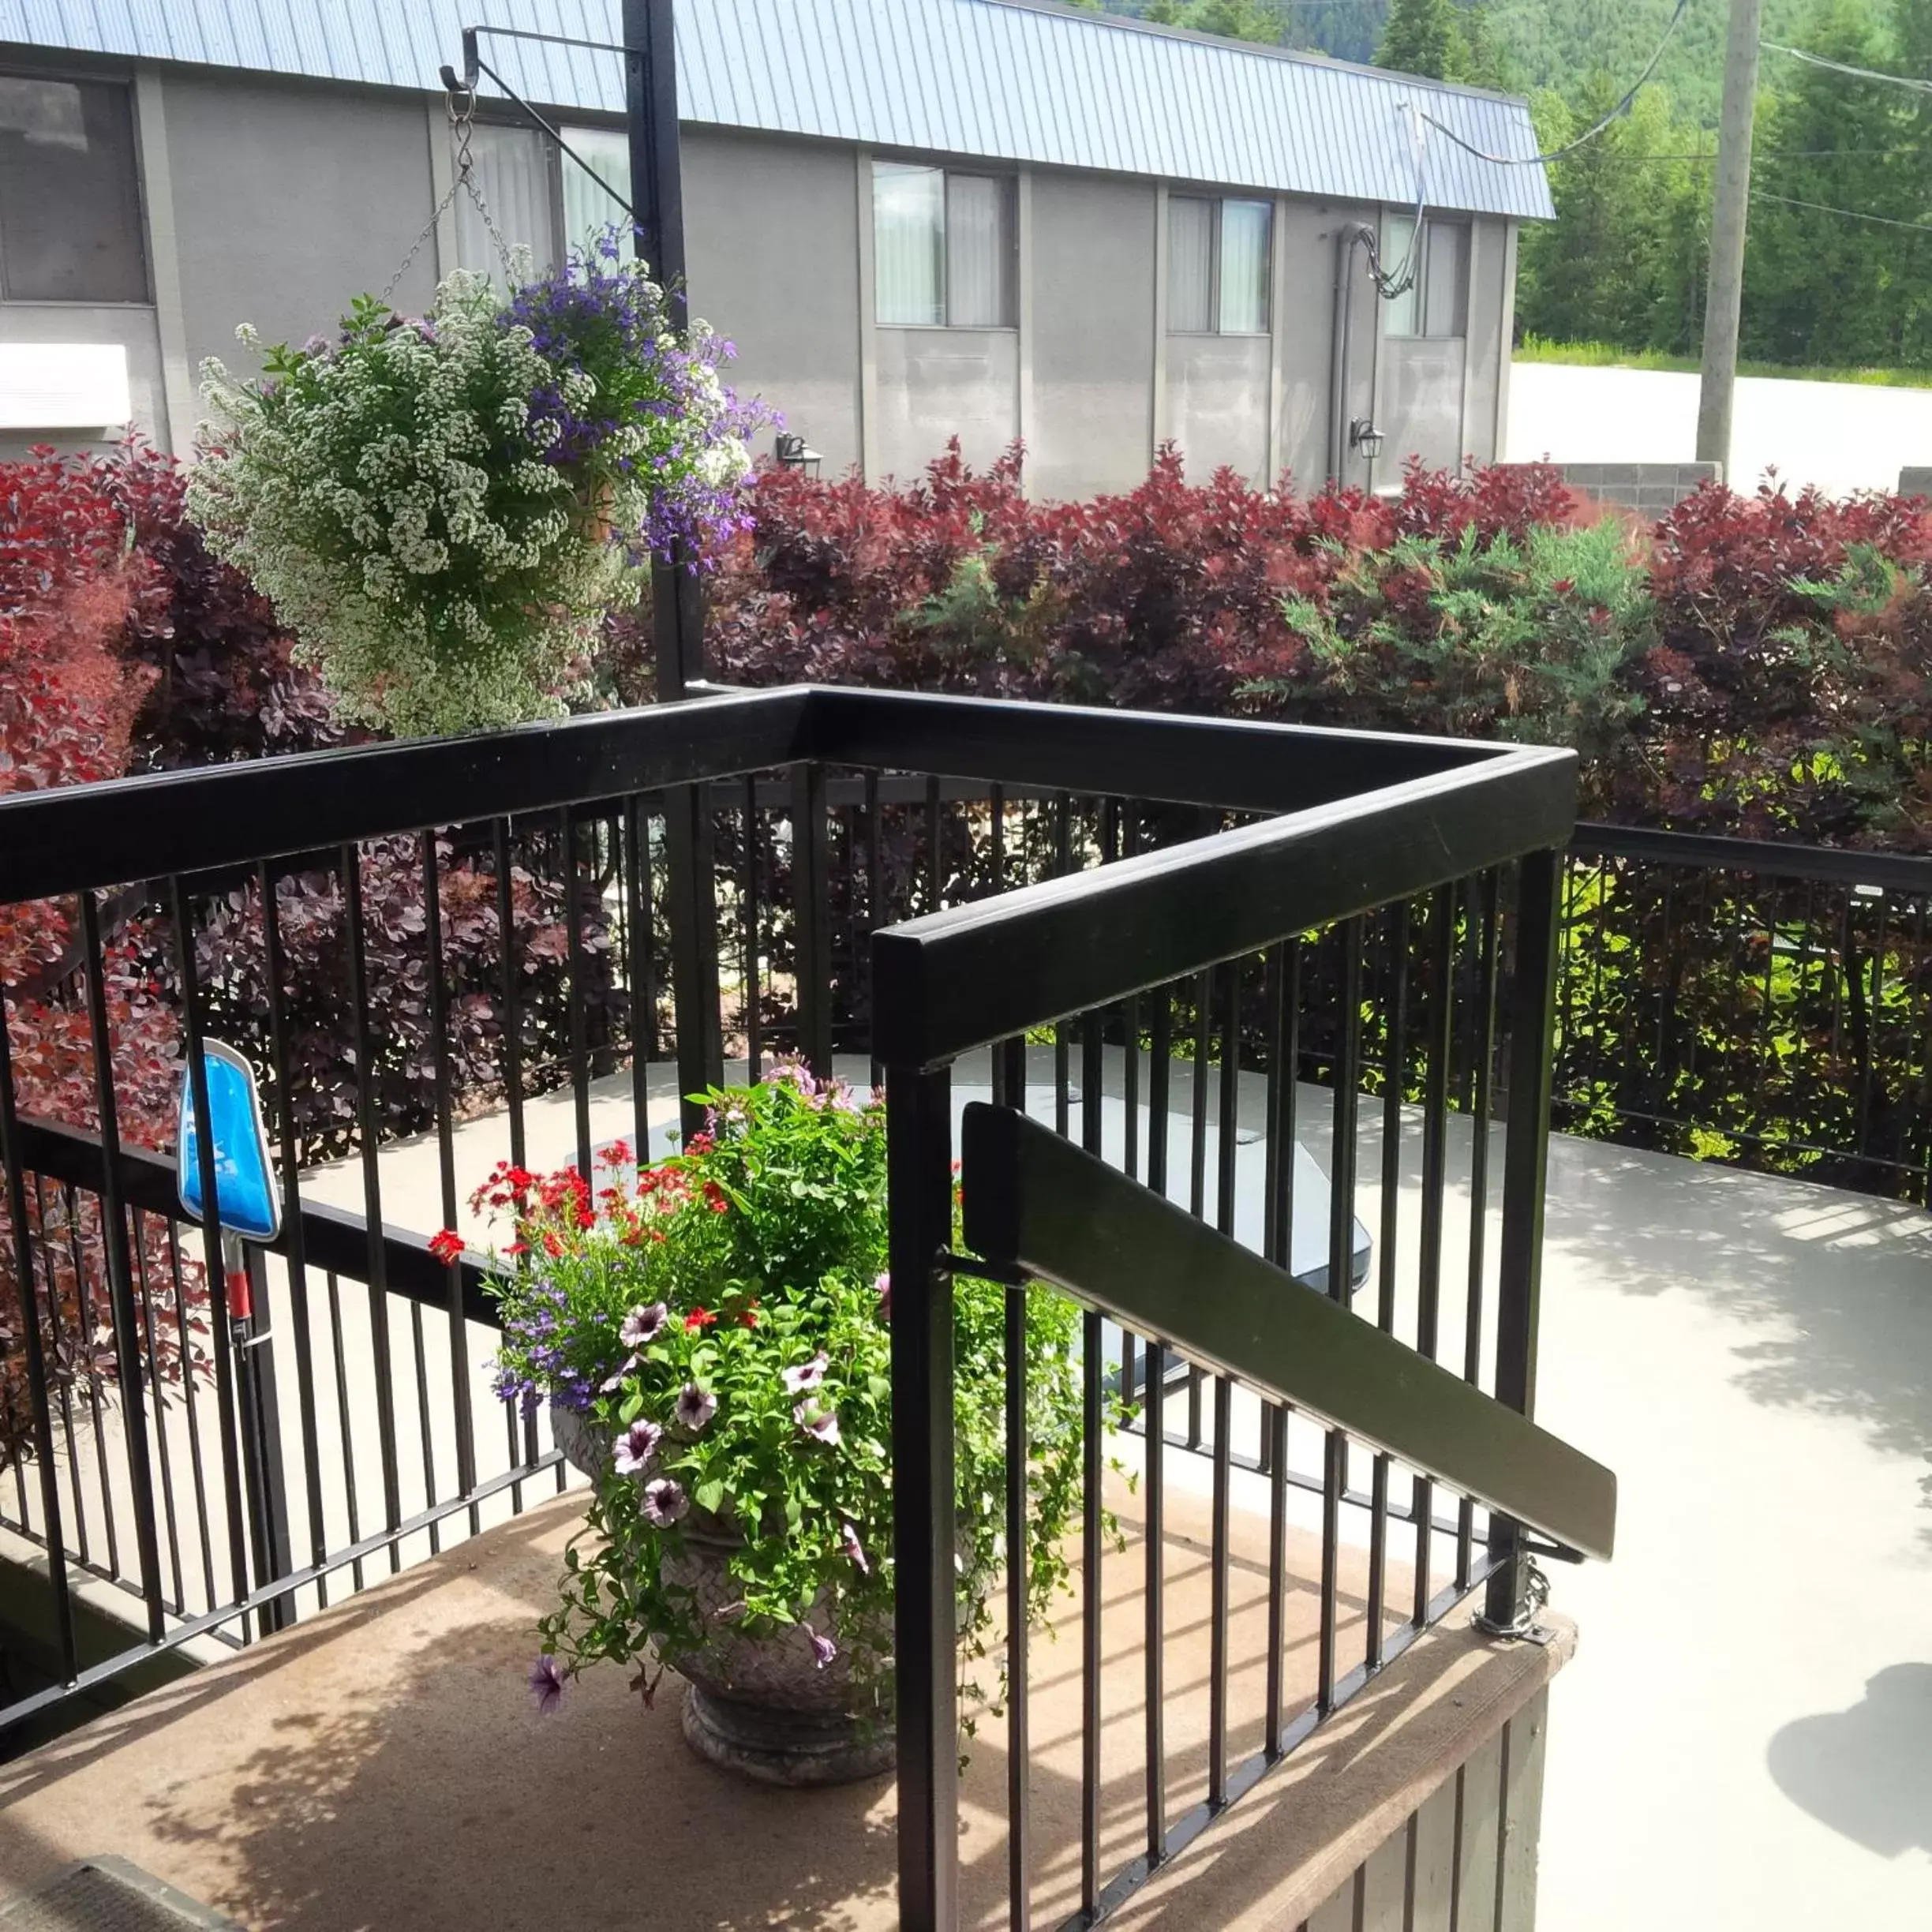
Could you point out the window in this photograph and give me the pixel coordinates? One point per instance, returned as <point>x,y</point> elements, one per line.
<point>1436,302</point>
<point>942,248</point>
<point>1219,258</point>
<point>70,223</point>
<point>588,210</point>
<point>512,169</point>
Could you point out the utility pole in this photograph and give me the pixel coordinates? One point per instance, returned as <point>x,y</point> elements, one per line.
<point>1725,292</point>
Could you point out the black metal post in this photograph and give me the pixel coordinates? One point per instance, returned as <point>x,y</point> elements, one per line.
<point>677,614</point>
<point>919,1110</point>
<point>261,1448</point>
<point>1525,1171</point>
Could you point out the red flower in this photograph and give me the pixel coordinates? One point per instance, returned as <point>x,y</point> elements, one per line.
<point>553,1243</point>
<point>617,1155</point>
<point>714,1198</point>
<point>699,1319</point>
<point>700,1143</point>
<point>448,1247</point>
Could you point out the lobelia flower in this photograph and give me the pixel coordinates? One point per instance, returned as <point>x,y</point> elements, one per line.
<point>695,1407</point>
<point>849,1537</point>
<point>546,1683</point>
<point>806,1375</point>
<point>634,1449</point>
<point>821,1424</point>
<point>664,1502</point>
<point>824,1649</point>
<point>642,1325</point>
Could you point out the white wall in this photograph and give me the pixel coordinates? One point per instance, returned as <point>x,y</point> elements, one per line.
<point>1842,436</point>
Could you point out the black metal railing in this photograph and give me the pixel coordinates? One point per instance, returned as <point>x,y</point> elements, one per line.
<point>1765,1004</point>
<point>1151,931</point>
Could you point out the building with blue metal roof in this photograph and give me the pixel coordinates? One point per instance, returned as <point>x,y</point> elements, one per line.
<point>997,220</point>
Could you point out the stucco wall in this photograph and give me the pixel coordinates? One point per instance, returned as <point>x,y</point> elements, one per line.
<point>288,200</point>
<point>1092,339</point>
<point>771,235</point>
<point>934,384</point>
<point>1218,403</point>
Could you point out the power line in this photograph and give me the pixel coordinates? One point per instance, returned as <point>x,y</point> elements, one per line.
<point>1857,73</point>
<point>1791,154</point>
<point>1819,208</point>
<point>1588,134</point>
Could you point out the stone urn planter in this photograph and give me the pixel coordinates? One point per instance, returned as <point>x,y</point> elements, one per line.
<point>762,1706</point>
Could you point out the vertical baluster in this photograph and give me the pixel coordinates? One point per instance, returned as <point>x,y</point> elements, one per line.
<point>1341,1255</point>
<point>458,1328</point>
<point>226,1400</point>
<point>184,1343</point>
<point>510,970</point>
<point>1284,1024</point>
<point>164,1462</point>
<point>1485,900</point>
<point>748,935</point>
<point>343,1421</point>
<point>1435,1189</point>
<point>369,1132</point>
<point>88,1324</point>
<point>295,1249</point>
<point>1063,865</point>
<point>1131,1014</point>
<point>1019,1832</point>
<point>1394,1044</point>
<point>878,911</point>
<point>568,827</point>
<point>810,912</point>
<point>13,1169</point>
<point>640,981</point>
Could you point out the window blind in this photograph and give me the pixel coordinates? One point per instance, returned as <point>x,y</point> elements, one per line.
<point>512,171</point>
<point>908,239</point>
<point>978,251</point>
<point>588,210</point>
<point>1246,231</point>
<point>1190,265</point>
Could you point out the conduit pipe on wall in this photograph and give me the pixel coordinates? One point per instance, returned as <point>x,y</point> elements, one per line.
<point>1349,237</point>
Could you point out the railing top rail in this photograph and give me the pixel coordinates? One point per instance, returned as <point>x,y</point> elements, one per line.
<point>1907,873</point>
<point>212,818</point>
<point>964,978</point>
<point>1036,1202</point>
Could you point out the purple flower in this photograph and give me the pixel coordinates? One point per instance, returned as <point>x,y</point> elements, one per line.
<point>882,1286</point>
<point>806,1375</point>
<point>641,1325</point>
<point>546,1683</point>
<point>636,1448</point>
<point>695,1407</point>
<point>821,1424</point>
<point>824,1649</point>
<point>615,1380</point>
<point>664,1502</point>
<point>849,1537</point>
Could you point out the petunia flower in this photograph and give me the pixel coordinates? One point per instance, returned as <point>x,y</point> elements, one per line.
<point>806,1375</point>
<point>855,1550</point>
<point>821,1424</point>
<point>882,1286</point>
<point>642,1325</point>
<point>824,1649</point>
<point>664,1502</point>
<point>615,1379</point>
<point>634,1449</point>
<point>695,1407</point>
<point>546,1683</point>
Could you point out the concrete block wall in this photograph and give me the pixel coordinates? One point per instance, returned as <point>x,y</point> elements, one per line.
<point>1653,487</point>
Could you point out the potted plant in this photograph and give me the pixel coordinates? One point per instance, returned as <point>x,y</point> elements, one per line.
<point>444,510</point>
<point>713,1336</point>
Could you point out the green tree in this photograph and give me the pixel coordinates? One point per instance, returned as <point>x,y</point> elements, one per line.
<point>1822,287</point>
<point>1422,37</point>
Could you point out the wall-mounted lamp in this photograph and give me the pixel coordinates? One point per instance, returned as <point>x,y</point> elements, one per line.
<point>790,452</point>
<point>1365,437</point>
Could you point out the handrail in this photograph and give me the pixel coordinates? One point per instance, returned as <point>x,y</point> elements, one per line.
<point>966,977</point>
<point>210,818</point>
<point>335,1241</point>
<point>1036,1203</point>
<point>80,836</point>
<point>1910,872</point>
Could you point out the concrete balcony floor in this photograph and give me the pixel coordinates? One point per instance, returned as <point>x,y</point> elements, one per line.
<point>1745,1738</point>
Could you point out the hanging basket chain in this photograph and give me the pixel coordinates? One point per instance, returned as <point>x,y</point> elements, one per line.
<point>460,106</point>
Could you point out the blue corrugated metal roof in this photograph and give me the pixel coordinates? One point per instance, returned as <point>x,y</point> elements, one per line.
<point>986,77</point>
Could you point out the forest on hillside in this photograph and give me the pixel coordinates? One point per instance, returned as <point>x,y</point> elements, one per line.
<point>1838,267</point>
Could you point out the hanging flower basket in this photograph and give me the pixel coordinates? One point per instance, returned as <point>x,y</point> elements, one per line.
<point>444,510</point>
